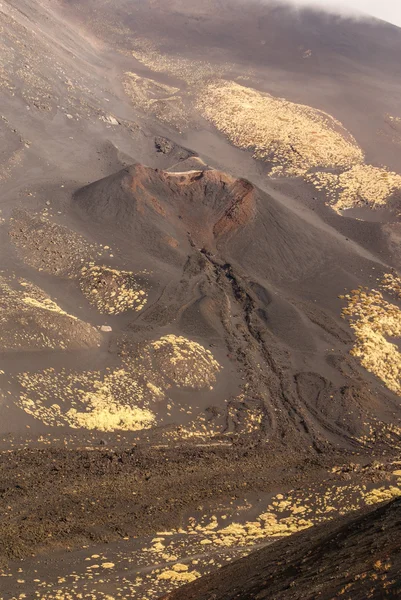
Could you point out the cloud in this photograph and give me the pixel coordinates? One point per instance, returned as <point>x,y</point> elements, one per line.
<point>388,10</point>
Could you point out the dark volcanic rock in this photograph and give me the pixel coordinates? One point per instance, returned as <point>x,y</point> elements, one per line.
<point>354,558</point>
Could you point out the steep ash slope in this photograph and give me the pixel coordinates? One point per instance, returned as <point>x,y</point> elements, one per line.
<point>200,355</point>
<point>356,558</point>
<point>257,277</point>
<point>213,210</point>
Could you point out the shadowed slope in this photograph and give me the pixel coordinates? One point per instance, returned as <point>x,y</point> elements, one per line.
<point>356,559</point>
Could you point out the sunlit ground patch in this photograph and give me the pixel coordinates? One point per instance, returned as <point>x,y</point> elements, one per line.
<point>189,70</point>
<point>89,400</point>
<point>294,137</point>
<point>119,399</point>
<point>159,100</point>
<point>360,186</point>
<point>47,246</point>
<point>375,322</point>
<point>186,363</point>
<point>286,514</point>
<point>112,291</point>
<point>391,283</point>
<point>31,320</point>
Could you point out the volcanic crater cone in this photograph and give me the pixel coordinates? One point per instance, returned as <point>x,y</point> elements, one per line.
<point>165,212</point>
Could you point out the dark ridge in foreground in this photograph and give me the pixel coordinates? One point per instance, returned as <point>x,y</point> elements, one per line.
<point>358,559</point>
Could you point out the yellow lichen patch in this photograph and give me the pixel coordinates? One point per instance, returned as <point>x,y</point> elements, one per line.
<point>186,362</point>
<point>157,99</point>
<point>288,513</point>
<point>382,495</point>
<point>90,400</point>
<point>375,321</point>
<point>31,320</point>
<point>47,246</point>
<point>392,284</point>
<point>362,185</point>
<point>267,525</point>
<point>189,70</point>
<point>176,576</point>
<point>34,296</point>
<point>112,291</point>
<point>292,136</point>
<point>180,568</point>
<point>119,399</point>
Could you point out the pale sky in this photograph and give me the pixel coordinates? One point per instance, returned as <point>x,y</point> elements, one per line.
<point>388,10</point>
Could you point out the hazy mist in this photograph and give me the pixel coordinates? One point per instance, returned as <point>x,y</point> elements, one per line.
<point>388,10</point>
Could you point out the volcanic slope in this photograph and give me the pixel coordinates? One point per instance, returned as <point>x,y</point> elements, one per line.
<point>255,276</point>
<point>285,85</point>
<point>165,213</point>
<point>202,354</point>
<point>355,558</point>
<point>306,56</point>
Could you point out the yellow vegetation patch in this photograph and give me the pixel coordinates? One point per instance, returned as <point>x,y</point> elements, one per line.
<point>89,400</point>
<point>112,291</point>
<point>293,136</point>
<point>173,575</point>
<point>31,320</point>
<point>362,185</point>
<point>268,524</point>
<point>46,304</point>
<point>186,362</point>
<point>47,246</point>
<point>392,284</point>
<point>374,321</point>
<point>180,568</point>
<point>291,512</point>
<point>190,71</point>
<point>119,399</point>
<point>35,297</point>
<point>162,101</point>
<point>382,495</point>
